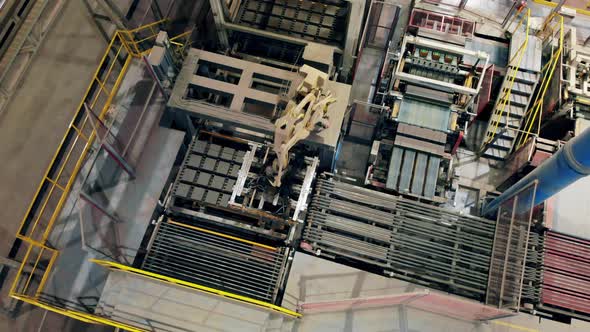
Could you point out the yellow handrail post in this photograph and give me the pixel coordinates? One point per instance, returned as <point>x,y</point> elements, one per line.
<point>33,230</point>
<point>512,71</point>
<point>548,71</point>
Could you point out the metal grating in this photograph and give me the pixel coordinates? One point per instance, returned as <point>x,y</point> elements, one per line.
<point>216,260</point>
<point>421,243</point>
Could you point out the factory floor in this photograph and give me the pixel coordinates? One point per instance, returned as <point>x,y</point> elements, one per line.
<point>32,126</point>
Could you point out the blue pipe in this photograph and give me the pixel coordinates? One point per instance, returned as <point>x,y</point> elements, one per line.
<point>567,165</point>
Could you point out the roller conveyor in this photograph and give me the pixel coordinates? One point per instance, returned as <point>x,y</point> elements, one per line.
<point>413,241</point>
<point>216,260</point>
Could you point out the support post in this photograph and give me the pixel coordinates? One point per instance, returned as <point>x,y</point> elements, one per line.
<point>219,18</point>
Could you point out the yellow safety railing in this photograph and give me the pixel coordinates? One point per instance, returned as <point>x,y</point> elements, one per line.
<point>583,11</point>
<point>181,42</point>
<point>205,289</point>
<point>512,72</point>
<point>81,316</point>
<point>68,159</point>
<point>57,182</point>
<point>136,37</point>
<point>534,114</point>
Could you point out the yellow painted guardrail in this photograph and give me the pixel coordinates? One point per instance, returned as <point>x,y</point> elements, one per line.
<point>548,70</point>
<point>81,316</point>
<point>59,178</point>
<point>97,95</point>
<point>554,4</point>
<point>205,289</point>
<point>513,67</point>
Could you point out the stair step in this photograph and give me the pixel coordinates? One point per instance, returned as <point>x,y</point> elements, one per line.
<point>503,143</point>
<point>514,110</point>
<point>517,100</point>
<point>531,58</point>
<point>522,88</point>
<point>524,76</point>
<point>511,121</point>
<point>495,153</point>
<point>503,131</point>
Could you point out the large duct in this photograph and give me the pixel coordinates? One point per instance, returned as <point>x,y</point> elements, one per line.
<point>567,165</point>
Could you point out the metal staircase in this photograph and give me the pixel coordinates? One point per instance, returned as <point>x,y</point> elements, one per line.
<point>520,82</point>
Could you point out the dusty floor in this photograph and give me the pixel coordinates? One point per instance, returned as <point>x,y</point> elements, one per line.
<point>32,126</point>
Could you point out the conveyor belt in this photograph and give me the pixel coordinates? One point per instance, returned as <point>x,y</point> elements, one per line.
<point>216,260</point>
<point>417,242</point>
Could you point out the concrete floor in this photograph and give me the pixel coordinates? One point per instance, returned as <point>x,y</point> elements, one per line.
<point>314,280</point>
<point>32,126</point>
<point>38,115</point>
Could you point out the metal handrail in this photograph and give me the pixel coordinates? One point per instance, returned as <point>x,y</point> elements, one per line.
<point>537,107</point>
<point>78,315</point>
<point>69,158</point>
<point>191,285</point>
<point>512,71</point>
<point>554,4</point>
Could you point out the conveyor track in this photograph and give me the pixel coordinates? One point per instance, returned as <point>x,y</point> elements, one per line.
<point>413,241</point>
<point>216,260</point>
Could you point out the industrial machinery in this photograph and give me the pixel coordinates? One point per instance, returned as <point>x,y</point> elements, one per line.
<point>429,85</point>
<point>209,170</point>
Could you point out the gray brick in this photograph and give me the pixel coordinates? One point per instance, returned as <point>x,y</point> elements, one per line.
<point>194,160</point>
<point>211,197</point>
<point>222,167</point>
<point>182,190</point>
<point>204,179</point>
<point>227,153</point>
<point>197,193</point>
<point>214,150</point>
<point>239,156</point>
<point>188,175</point>
<point>229,184</point>
<point>209,164</point>
<point>224,200</point>
<point>234,170</point>
<point>200,146</point>
<point>217,182</point>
